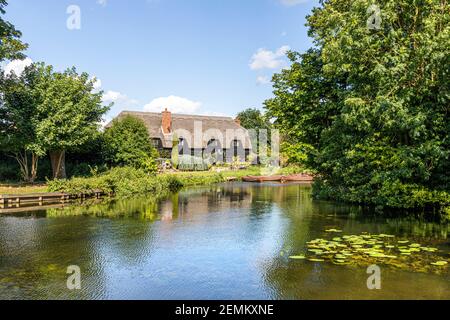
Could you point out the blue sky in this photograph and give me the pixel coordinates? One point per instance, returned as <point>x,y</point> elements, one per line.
<point>192,56</point>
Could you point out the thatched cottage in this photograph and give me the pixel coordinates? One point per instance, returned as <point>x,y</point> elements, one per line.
<point>195,135</point>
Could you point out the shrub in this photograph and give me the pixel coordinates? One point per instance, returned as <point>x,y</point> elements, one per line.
<point>79,170</point>
<point>127,143</point>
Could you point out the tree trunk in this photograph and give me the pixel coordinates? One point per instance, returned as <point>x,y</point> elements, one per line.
<point>58,159</point>
<point>34,167</point>
<point>22,159</point>
<point>23,163</point>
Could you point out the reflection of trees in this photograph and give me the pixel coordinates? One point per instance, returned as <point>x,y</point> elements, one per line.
<point>295,205</point>
<point>128,232</point>
<point>48,246</point>
<point>141,208</point>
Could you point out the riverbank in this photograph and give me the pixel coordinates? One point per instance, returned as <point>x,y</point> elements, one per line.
<point>129,182</point>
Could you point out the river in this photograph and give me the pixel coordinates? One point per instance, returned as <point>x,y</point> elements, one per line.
<point>228,241</point>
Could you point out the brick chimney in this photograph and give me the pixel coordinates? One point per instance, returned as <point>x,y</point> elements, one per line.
<point>238,121</point>
<point>167,121</point>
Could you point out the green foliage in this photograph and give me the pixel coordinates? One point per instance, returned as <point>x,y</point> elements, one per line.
<point>129,182</point>
<point>372,104</point>
<point>80,170</point>
<point>46,111</point>
<point>17,110</point>
<point>258,125</point>
<point>123,181</point>
<point>10,45</point>
<point>69,111</point>
<point>294,153</point>
<point>127,143</point>
<point>254,119</point>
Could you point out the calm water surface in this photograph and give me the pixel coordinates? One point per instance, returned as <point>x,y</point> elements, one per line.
<point>222,242</point>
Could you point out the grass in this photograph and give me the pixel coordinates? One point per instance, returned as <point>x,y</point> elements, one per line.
<point>22,189</point>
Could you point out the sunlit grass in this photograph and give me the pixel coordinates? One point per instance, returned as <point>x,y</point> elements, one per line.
<point>22,189</point>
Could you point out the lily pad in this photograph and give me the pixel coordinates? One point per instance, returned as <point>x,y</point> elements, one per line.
<point>439,263</point>
<point>297,257</point>
<point>316,260</point>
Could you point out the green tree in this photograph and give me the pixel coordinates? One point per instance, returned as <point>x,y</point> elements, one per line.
<point>68,113</point>
<point>10,45</point>
<point>128,143</point>
<point>260,127</point>
<point>373,102</point>
<point>253,118</point>
<point>46,111</point>
<point>17,125</point>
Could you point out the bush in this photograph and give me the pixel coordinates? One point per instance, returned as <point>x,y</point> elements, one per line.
<point>128,182</point>
<point>122,181</point>
<point>79,170</point>
<point>127,143</point>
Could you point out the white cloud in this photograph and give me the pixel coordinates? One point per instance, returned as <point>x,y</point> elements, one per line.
<point>103,3</point>
<point>262,80</point>
<point>266,59</point>
<point>174,104</point>
<point>113,96</point>
<point>119,99</point>
<point>18,66</point>
<point>290,3</point>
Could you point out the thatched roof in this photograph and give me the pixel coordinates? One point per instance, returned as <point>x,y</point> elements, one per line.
<point>224,129</point>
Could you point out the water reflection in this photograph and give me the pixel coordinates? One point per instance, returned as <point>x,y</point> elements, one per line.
<point>228,241</point>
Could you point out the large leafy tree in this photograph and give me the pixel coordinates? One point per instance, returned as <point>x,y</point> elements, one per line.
<point>373,102</point>
<point>10,45</point>
<point>127,143</point>
<point>17,128</point>
<point>68,112</point>
<point>46,111</point>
